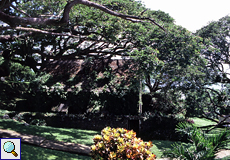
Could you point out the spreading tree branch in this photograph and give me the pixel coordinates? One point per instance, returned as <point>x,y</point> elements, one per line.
<point>15,21</point>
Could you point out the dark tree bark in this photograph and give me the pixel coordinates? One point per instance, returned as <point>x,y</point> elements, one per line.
<point>15,21</point>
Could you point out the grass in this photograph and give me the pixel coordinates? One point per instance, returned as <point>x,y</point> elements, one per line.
<point>76,136</point>
<point>39,153</point>
<point>51,133</point>
<point>159,146</point>
<point>199,122</point>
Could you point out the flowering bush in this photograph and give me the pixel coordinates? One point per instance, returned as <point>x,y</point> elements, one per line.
<point>120,144</point>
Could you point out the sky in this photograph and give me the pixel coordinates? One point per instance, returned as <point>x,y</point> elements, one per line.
<point>191,14</point>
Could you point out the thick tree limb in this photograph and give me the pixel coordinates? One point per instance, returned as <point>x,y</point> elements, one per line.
<point>9,38</point>
<point>44,32</point>
<point>23,21</point>
<point>14,21</point>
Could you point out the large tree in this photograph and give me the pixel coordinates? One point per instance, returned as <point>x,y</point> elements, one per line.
<point>171,64</point>
<point>213,101</point>
<point>36,31</point>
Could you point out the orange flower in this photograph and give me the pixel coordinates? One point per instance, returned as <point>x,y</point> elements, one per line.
<point>128,153</point>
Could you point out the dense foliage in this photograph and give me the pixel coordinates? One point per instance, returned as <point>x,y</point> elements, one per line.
<point>77,32</point>
<point>58,54</point>
<point>99,56</point>
<point>212,99</point>
<point>171,65</point>
<point>203,146</point>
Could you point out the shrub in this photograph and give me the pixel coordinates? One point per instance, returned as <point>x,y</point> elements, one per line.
<point>203,147</point>
<point>164,127</point>
<point>120,144</point>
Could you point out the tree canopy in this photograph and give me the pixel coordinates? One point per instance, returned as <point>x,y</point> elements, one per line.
<point>175,65</point>
<point>36,31</point>
<point>212,99</point>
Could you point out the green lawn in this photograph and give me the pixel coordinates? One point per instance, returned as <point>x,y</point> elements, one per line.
<point>199,122</point>
<point>75,136</point>
<point>159,146</point>
<point>52,133</point>
<point>39,153</point>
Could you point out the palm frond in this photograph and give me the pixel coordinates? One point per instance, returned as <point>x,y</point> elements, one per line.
<point>204,148</point>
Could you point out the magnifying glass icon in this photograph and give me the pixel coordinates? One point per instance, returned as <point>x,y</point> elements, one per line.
<point>9,147</point>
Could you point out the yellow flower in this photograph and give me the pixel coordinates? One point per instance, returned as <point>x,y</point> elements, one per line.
<point>100,145</point>
<point>137,140</point>
<point>135,146</point>
<point>128,135</point>
<point>107,138</point>
<point>112,155</point>
<point>106,130</point>
<point>142,149</point>
<point>128,144</point>
<point>120,140</point>
<point>149,144</point>
<point>122,130</point>
<point>132,133</point>
<point>97,138</point>
<point>151,157</point>
<point>120,148</point>
<point>142,144</point>
<point>93,147</point>
<point>148,152</point>
<point>114,130</point>
<point>116,135</point>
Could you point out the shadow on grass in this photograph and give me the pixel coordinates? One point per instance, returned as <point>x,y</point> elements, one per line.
<point>225,158</point>
<point>38,153</point>
<point>159,146</point>
<point>51,133</point>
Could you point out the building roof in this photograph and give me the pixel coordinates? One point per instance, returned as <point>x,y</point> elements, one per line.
<point>86,72</point>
